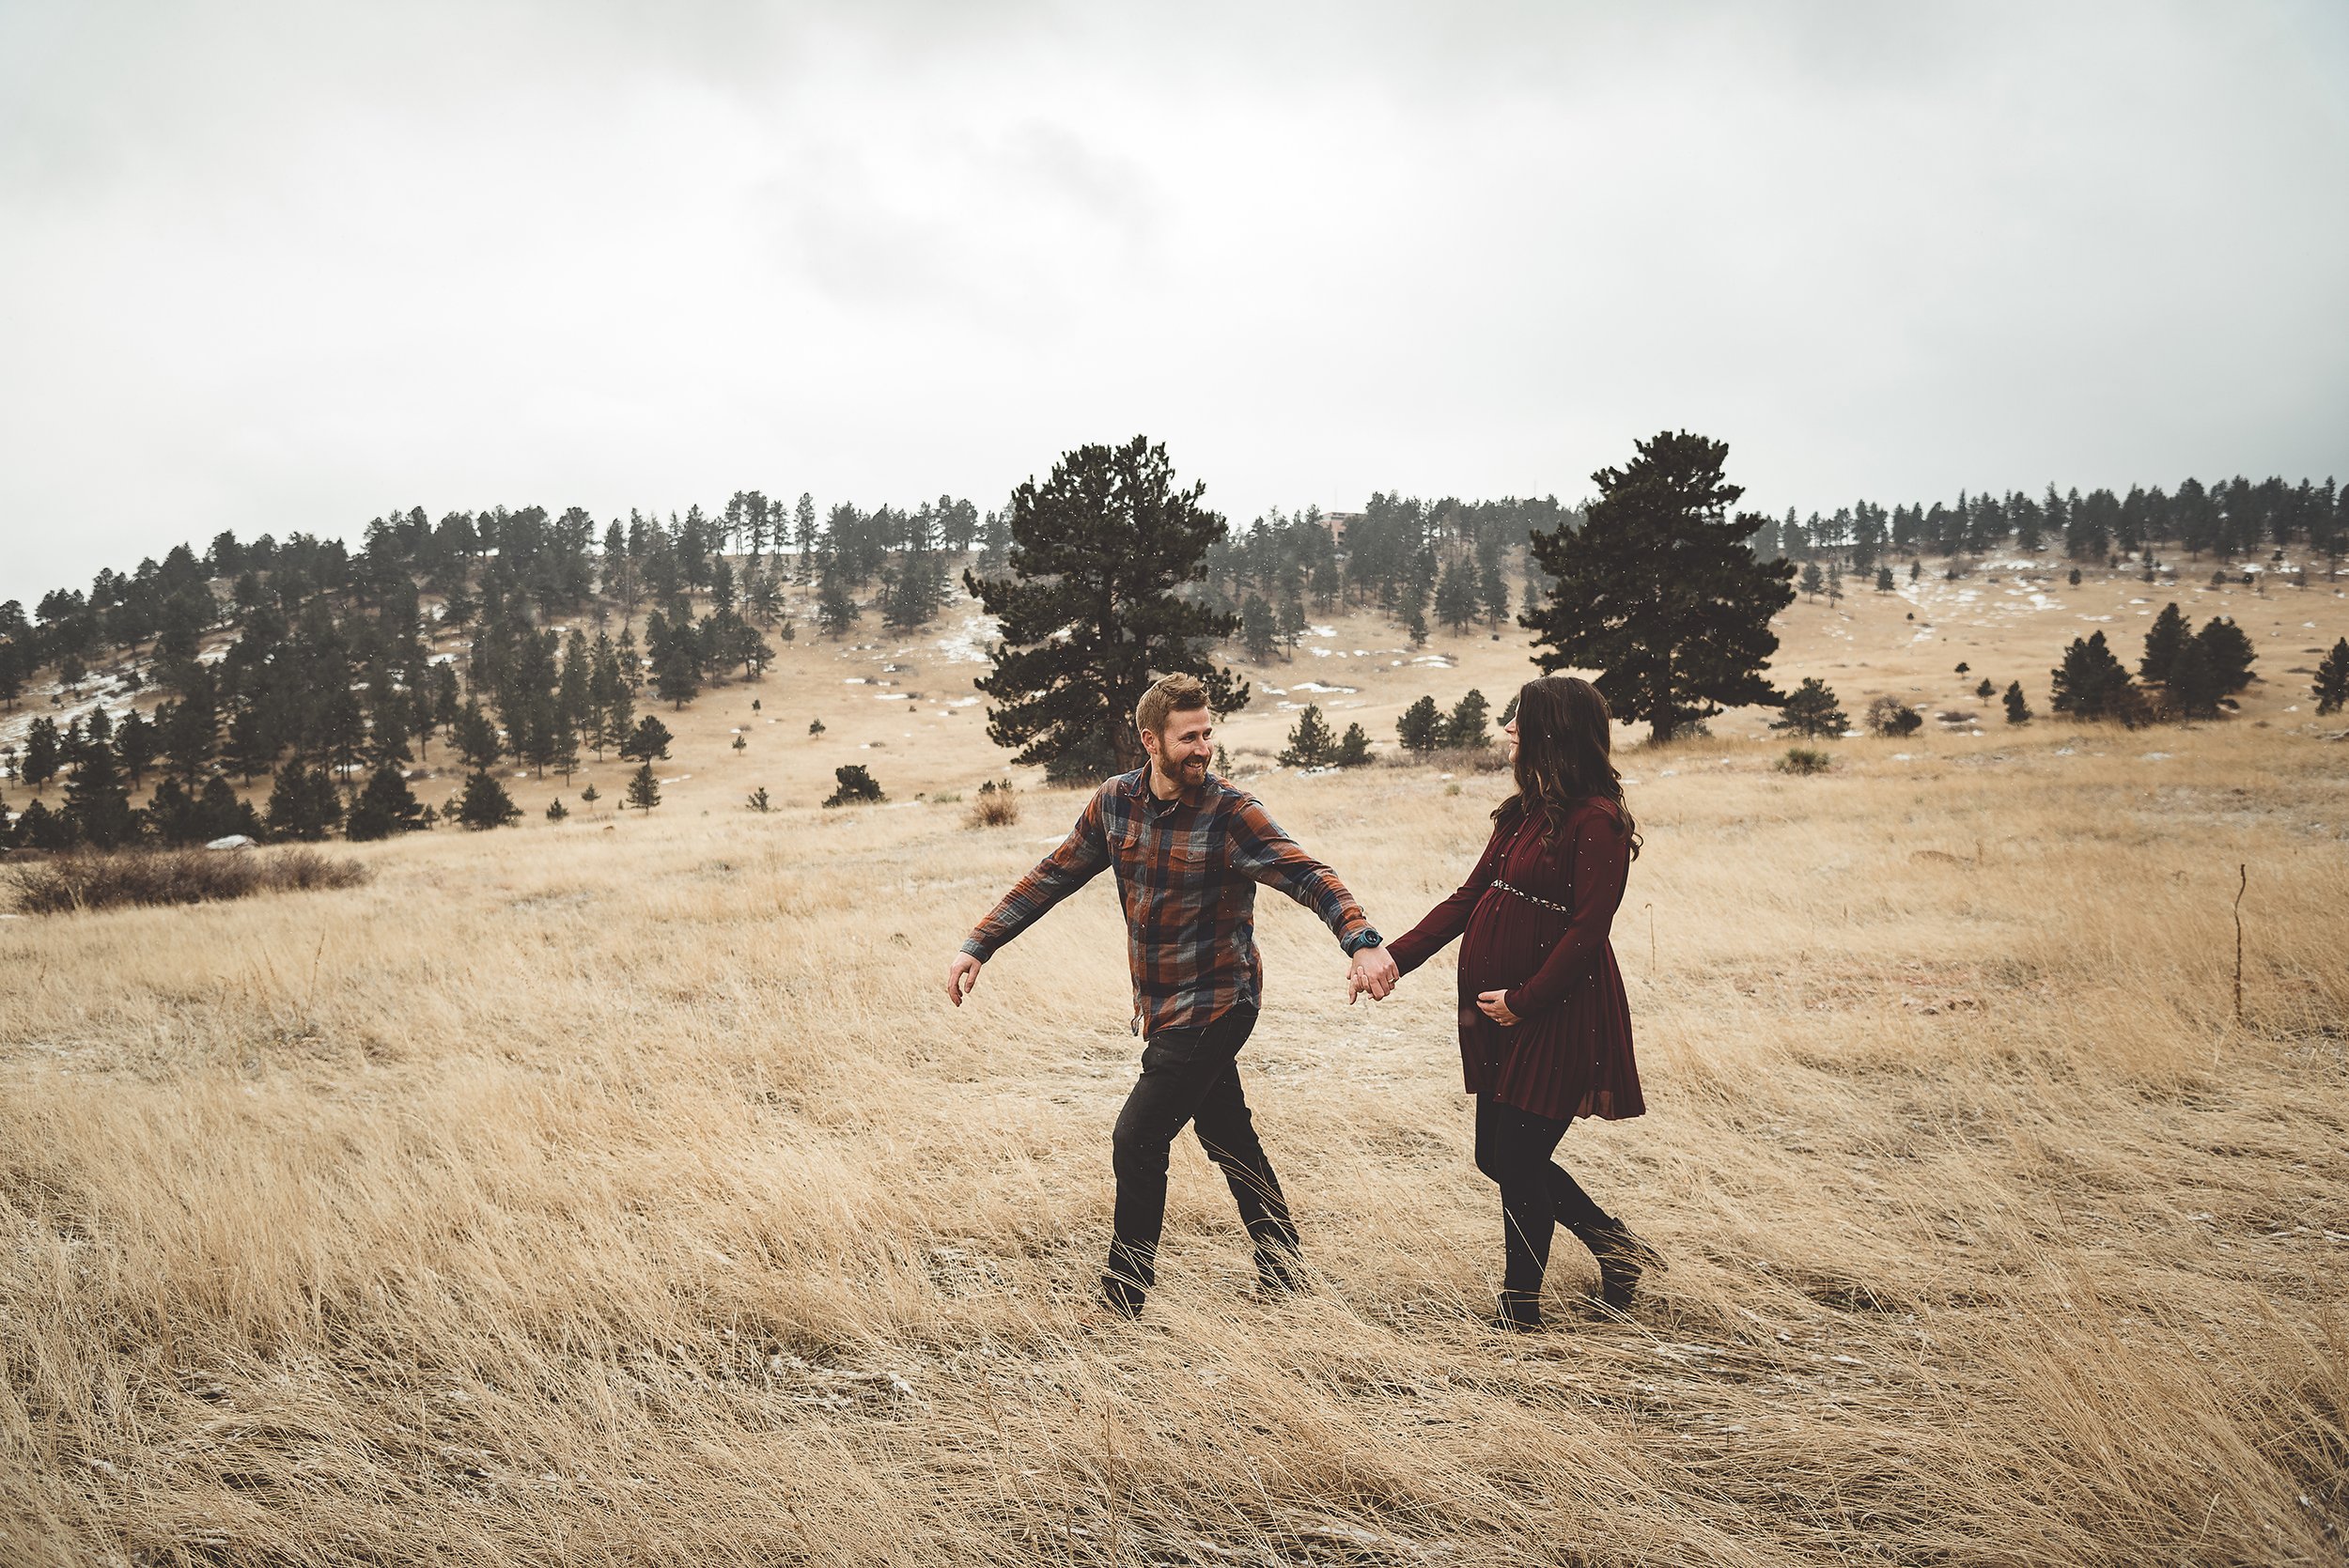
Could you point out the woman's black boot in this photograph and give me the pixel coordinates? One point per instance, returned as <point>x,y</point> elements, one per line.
<point>1519,1312</point>
<point>1622,1259</point>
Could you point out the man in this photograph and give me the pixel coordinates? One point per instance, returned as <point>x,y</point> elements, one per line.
<point>1188,850</point>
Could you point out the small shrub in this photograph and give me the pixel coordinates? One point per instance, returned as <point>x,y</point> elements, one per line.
<point>852,786</point>
<point>557,811</point>
<point>1893,718</point>
<point>997,806</point>
<point>100,881</point>
<point>758,800</point>
<point>1805,759</point>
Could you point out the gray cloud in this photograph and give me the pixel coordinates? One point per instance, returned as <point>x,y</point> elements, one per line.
<point>281,268</point>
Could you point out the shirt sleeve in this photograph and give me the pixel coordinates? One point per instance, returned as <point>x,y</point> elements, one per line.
<point>1263,853</point>
<point>1602,863</point>
<point>1084,855</point>
<point>1443,923</point>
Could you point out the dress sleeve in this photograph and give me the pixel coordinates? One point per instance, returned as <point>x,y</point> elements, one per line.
<point>1602,862</point>
<point>1446,921</point>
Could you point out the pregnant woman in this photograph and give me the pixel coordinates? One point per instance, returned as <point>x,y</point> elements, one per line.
<point>1544,1035</point>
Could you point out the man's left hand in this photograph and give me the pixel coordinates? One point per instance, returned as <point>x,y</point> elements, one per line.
<point>1373,971</point>
<point>1495,1005</point>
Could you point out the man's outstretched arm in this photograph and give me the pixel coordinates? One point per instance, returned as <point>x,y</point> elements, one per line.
<point>1264,853</point>
<point>1076,860</point>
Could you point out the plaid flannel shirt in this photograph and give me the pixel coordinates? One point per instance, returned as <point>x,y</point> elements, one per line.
<point>1187,875</point>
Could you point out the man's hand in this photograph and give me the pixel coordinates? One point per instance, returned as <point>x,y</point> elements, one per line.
<point>1495,1005</point>
<point>1373,971</point>
<point>962,978</point>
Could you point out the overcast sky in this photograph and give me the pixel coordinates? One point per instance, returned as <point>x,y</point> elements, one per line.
<point>287,267</point>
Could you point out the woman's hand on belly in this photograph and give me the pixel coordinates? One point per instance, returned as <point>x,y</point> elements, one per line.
<point>1495,1005</point>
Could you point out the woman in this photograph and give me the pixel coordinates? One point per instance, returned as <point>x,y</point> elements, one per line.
<point>1544,1035</point>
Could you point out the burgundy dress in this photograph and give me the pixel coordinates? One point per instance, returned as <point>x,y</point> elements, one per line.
<point>1569,1053</point>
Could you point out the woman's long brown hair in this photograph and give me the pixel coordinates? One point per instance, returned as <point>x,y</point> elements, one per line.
<point>1564,734</point>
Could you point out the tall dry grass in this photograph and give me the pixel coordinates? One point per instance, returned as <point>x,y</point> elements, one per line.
<point>646,1201</point>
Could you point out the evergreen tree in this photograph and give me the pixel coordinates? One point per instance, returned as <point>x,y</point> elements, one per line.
<point>1811,710</point>
<point>2018,710</point>
<point>1884,579</point>
<point>1292,623</point>
<point>477,737</point>
<point>1811,580</point>
<point>1660,592</point>
<point>852,786</point>
<point>2090,683</point>
<point>170,814</point>
<point>556,810</point>
<point>44,752</point>
<point>2163,640</point>
<point>384,807</point>
<point>1312,744</point>
<point>1834,581</point>
<point>1257,629</point>
<point>97,799</point>
<point>644,788</point>
<point>619,718</point>
<point>1353,747</point>
<point>1986,689</point>
<point>137,744</point>
<point>220,814</point>
<point>1455,597</point>
<point>303,803</point>
<point>2190,686</point>
<point>2331,687</point>
<point>1421,729</point>
<point>835,608</point>
<point>486,804</point>
<point>1893,718</point>
<point>38,828</point>
<point>1464,728</point>
<point>1415,621</point>
<point>2229,650</point>
<point>1091,612</point>
<point>649,740</point>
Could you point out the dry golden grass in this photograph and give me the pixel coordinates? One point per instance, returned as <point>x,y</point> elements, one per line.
<point>646,1200</point>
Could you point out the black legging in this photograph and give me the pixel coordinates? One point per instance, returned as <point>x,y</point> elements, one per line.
<point>1513,1147</point>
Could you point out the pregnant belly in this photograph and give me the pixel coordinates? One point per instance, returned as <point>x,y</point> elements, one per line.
<point>1500,953</point>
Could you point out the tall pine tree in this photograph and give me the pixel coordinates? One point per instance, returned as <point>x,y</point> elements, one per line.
<point>1659,591</point>
<point>1090,613</point>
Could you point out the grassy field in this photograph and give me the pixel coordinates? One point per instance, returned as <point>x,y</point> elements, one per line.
<point>626,1191</point>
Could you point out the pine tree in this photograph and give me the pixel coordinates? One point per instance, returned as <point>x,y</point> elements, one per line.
<point>44,754</point>
<point>477,737</point>
<point>2017,709</point>
<point>1884,579</point>
<point>648,741</point>
<point>303,803</point>
<point>1811,710</point>
<point>556,810</point>
<point>1421,729</point>
<point>1659,591</point>
<point>2228,649</point>
<point>1353,747</point>
<point>1813,582</point>
<point>2090,683</point>
<point>1834,581</point>
<point>137,744</point>
<point>1455,597</point>
<point>2163,640</point>
<point>1092,613</point>
<point>386,806</point>
<point>1988,689</point>
<point>1292,623</point>
<point>486,804</point>
<point>97,799</point>
<point>680,685</point>
<point>852,785</point>
<point>2331,687</point>
<point>1312,744</point>
<point>835,607</point>
<point>1465,726</point>
<point>1893,718</point>
<point>2190,686</point>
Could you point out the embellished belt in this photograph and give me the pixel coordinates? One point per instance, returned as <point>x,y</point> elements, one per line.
<point>1531,898</point>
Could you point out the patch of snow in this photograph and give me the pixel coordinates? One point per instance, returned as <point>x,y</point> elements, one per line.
<point>964,702</point>
<point>2154,756</point>
<point>680,778</point>
<point>889,697</point>
<point>1322,630</point>
<point>1321,653</point>
<point>234,840</point>
<point>1316,686</point>
<point>1900,756</point>
<point>967,645</point>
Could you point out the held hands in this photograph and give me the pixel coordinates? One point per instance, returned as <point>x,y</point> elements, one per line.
<point>962,978</point>
<point>1495,1005</point>
<point>1373,971</point>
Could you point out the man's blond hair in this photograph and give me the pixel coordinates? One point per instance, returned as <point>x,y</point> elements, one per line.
<point>1174,694</point>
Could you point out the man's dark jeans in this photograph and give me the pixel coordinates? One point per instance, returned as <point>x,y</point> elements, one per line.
<point>1191,1075</point>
